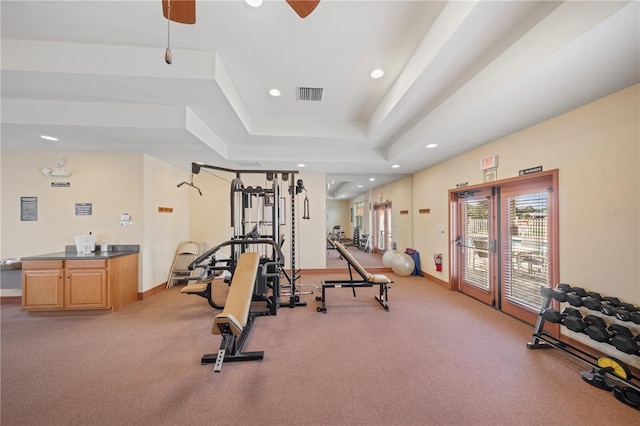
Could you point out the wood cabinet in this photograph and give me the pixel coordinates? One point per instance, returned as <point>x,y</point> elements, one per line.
<point>79,284</point>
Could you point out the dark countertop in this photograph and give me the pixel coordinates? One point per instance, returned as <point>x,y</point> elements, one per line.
<point>71,254</point>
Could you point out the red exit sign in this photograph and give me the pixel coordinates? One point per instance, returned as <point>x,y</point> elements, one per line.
<point>489,162</point>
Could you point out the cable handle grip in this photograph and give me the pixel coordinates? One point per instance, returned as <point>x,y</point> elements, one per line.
<point>265,268</point>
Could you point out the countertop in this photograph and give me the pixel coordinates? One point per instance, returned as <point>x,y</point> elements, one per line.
<point>70,253</point>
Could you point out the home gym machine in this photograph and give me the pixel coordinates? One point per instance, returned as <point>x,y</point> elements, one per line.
<point>257,213</point>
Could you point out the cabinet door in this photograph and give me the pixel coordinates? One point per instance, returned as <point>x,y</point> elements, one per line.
<point>85,289</point>
<point>42,289</point>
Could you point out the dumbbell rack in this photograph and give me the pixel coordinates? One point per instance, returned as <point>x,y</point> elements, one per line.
<point>606,371</point>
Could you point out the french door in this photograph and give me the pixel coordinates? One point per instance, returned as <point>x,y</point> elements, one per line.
<point>382,227</point>
<point>476,244</point>
<point>506,242</point>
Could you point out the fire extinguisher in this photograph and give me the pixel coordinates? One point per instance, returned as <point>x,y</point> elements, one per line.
<point>438,261</point>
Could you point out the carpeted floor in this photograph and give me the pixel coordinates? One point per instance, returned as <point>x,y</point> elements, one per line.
<point>436,358</point>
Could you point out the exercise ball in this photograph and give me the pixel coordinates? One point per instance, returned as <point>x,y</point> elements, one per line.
<point>402,264</point>
<point>387,257</point>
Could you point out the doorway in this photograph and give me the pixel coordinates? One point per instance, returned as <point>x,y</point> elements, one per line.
<point>506,242</point>
<point>382,235</point>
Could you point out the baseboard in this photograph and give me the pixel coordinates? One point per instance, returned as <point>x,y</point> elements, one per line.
<point>7,300</point>
<point>437,280</point>
<point>152,291</point>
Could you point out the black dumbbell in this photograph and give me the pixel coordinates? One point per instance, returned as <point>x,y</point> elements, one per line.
<point>622,314</point>
<point>574,324</point>
<point>572,312</point>
<point>626,344</point>
<point>620,330</point>
<point>564,287</point>
<point>574,300</point>
<point>599,334</point>
<point>612,300</point>
<point>608,309</point>
<point>554,316</point>
<point>592,303</point>
<point>595,320</point>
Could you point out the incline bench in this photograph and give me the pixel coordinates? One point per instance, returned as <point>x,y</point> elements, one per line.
<point>368,280</point>
<point>235,321</point>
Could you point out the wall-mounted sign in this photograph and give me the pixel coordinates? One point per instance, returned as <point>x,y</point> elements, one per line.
<point>404,211</point>
<point>165,209</point>
<point>461,184</point>
<point>28,208</point>
<point>530,170</point>
<point>489,175</point>
<point>423,211</point>
<point>60,184</point>
<point>489,162</point>
<point>84,209</point>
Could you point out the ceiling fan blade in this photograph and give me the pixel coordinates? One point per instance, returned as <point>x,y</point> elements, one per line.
<point>303,7</point>
<point>182,11</point>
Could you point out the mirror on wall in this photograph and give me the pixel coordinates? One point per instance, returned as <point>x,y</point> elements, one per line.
<point>360,216</point>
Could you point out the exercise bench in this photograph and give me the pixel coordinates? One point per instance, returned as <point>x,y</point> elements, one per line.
<point>367,279</point>
<point>235,321</point>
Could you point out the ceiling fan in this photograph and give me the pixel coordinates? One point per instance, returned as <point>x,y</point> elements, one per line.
<point>184,11</point>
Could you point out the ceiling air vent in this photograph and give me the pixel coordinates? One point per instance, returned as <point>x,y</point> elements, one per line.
<point>310,93</point>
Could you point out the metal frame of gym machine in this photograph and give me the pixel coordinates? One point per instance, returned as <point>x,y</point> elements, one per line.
<point>243,228</point>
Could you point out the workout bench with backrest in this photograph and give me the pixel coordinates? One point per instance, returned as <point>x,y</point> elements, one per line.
<point>235,321</point>
<point>367,279</point>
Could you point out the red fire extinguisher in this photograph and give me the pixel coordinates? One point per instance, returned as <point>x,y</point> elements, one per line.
<point>438,260</point>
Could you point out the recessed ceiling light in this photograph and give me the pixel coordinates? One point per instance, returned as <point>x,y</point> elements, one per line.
<point>49,138</point>
<point>377,73</point>
<point>254,3</point>
<point>395,166</point>
<point>432,145</point>
<point>274,92</point>
<point>301,165</point>
<point>359,186</point>
<point>372,179</point>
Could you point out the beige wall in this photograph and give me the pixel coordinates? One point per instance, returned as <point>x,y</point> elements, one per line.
<point>338,212</point>
<point>400,195</point>
<point>162,232</point>
<point>111,182</point>
<point>596,150</point>
<point>114,184</point>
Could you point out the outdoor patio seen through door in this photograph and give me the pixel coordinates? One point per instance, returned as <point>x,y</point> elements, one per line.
<point>506,242</point>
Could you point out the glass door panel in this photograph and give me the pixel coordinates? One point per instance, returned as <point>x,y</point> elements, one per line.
<point>475,246</point>
<point>524,249</point>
